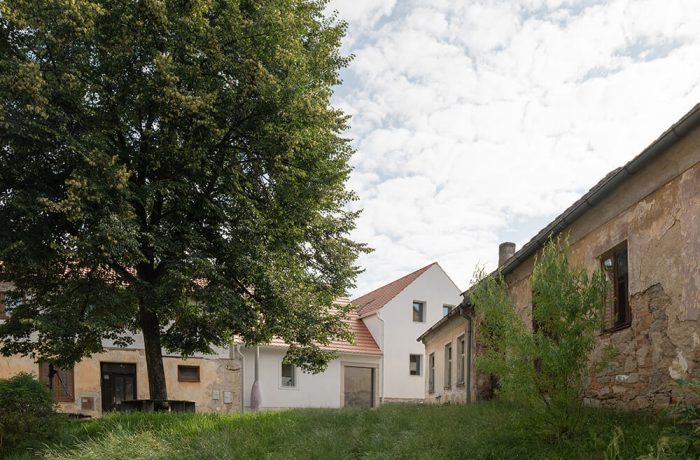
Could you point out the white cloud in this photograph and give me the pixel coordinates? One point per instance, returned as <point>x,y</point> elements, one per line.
<point>472,120</point>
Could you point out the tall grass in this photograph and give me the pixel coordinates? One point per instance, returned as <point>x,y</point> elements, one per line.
<point>479,431</point>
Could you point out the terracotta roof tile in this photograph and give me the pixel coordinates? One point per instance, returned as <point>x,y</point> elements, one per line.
<point>363,344</point>
<point>373,301</point>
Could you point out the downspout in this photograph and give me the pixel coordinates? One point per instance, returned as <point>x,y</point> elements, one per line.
<point>256,392</point>
<point>237,349</point>
<point>381,363</point>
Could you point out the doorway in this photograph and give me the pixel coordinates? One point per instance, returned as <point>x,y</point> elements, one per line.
<point>118,384</point>
<point>359,386</point>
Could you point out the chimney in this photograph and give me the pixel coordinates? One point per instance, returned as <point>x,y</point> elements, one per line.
<point>505,252</point>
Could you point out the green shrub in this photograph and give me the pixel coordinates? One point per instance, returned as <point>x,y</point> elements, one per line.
<point>27,411</point>
<point>543,368</point>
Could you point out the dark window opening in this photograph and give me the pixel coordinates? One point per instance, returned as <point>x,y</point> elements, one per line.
<point>414,364</point>
<point>617,309</point>
<point>418,312</point>
<point>431,373</point>
<point>188,373</point>
<point>448,366</point>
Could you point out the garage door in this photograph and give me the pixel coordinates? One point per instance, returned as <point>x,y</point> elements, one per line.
<point>359,386</point>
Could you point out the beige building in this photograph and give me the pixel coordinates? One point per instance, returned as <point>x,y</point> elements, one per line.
<point>100,383</point>
<point>449,364</point>
<point>641,225</point>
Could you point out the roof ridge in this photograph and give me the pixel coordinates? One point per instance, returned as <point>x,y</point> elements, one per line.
<point>382,295</point>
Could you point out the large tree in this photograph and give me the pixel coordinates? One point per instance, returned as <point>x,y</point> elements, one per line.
<point>174,168</point>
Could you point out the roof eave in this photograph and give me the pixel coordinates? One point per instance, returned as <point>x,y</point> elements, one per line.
<point>687,123</point>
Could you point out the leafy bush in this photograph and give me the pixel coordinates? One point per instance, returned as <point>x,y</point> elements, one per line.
<point>543,367</point>
<point>27,411</point>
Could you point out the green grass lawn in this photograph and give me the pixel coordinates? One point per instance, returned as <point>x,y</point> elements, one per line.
<point>485,430</point>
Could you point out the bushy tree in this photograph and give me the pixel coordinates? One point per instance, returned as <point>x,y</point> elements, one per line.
<point>544,365</point>
<point>172,168</point>
<point>27,411</point>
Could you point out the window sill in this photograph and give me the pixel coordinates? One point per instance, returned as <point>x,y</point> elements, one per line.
<point>460,384</point>
<point>616,328</point>
<point>448,388</point>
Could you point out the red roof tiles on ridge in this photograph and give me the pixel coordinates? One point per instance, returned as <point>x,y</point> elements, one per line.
<point>373,301</point>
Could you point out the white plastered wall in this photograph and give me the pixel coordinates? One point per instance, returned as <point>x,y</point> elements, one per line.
<point>311,390</point>
<point>399,336</point>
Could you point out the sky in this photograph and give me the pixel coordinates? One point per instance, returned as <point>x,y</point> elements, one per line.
<point>478,122</point>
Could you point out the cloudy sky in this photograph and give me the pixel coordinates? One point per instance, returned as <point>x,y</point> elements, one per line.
<point>477,122</point>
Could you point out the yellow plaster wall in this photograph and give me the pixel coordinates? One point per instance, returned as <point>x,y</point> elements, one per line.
<point>215,374</point>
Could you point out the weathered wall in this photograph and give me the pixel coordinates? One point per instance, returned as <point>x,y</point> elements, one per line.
<point>435,343</point>
<point>658,212</point>
<point>215,374</point>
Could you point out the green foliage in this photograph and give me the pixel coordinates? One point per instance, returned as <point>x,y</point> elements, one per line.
<point>489,430</point>
<point>543,368</point>
<point>682,439</point>
<point>27,411</point>
<point>173,168</point>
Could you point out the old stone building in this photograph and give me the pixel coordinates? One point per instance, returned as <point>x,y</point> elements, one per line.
<point>641,225</point>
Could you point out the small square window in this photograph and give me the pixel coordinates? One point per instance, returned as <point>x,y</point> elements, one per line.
<point>414,364</point>
<point>288,376</point>
<point>188,373</point>
<point>446,309</point>
<point>418,312</point>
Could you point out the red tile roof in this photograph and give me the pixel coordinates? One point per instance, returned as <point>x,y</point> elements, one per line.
<point>363,344</point>
<point>373,301</point>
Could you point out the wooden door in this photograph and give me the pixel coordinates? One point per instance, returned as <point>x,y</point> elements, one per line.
<point>359,386</point>
<point>118,384</point>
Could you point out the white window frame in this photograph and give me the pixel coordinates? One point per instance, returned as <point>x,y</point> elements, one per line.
<point>294,377</point>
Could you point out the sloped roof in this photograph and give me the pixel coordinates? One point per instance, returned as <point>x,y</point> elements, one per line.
<point>373,301</point>
<point>607,186</point>
<point>363,344</point>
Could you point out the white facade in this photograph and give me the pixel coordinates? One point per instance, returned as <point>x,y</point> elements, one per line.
<point>325,389</point>
<point>395,331</point>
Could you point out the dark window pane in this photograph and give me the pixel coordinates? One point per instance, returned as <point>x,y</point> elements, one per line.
<point>418,308</point>
<point>617,313</point>
<point>288,379</point>
<point>414,364</point>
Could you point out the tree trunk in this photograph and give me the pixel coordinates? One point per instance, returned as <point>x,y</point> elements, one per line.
<point>154,354</point>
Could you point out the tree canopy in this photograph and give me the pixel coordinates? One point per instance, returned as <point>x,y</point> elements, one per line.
<point>172,167</point>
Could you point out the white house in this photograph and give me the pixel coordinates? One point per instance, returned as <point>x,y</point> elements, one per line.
<point>352,379</point>
<point>395,315</point>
